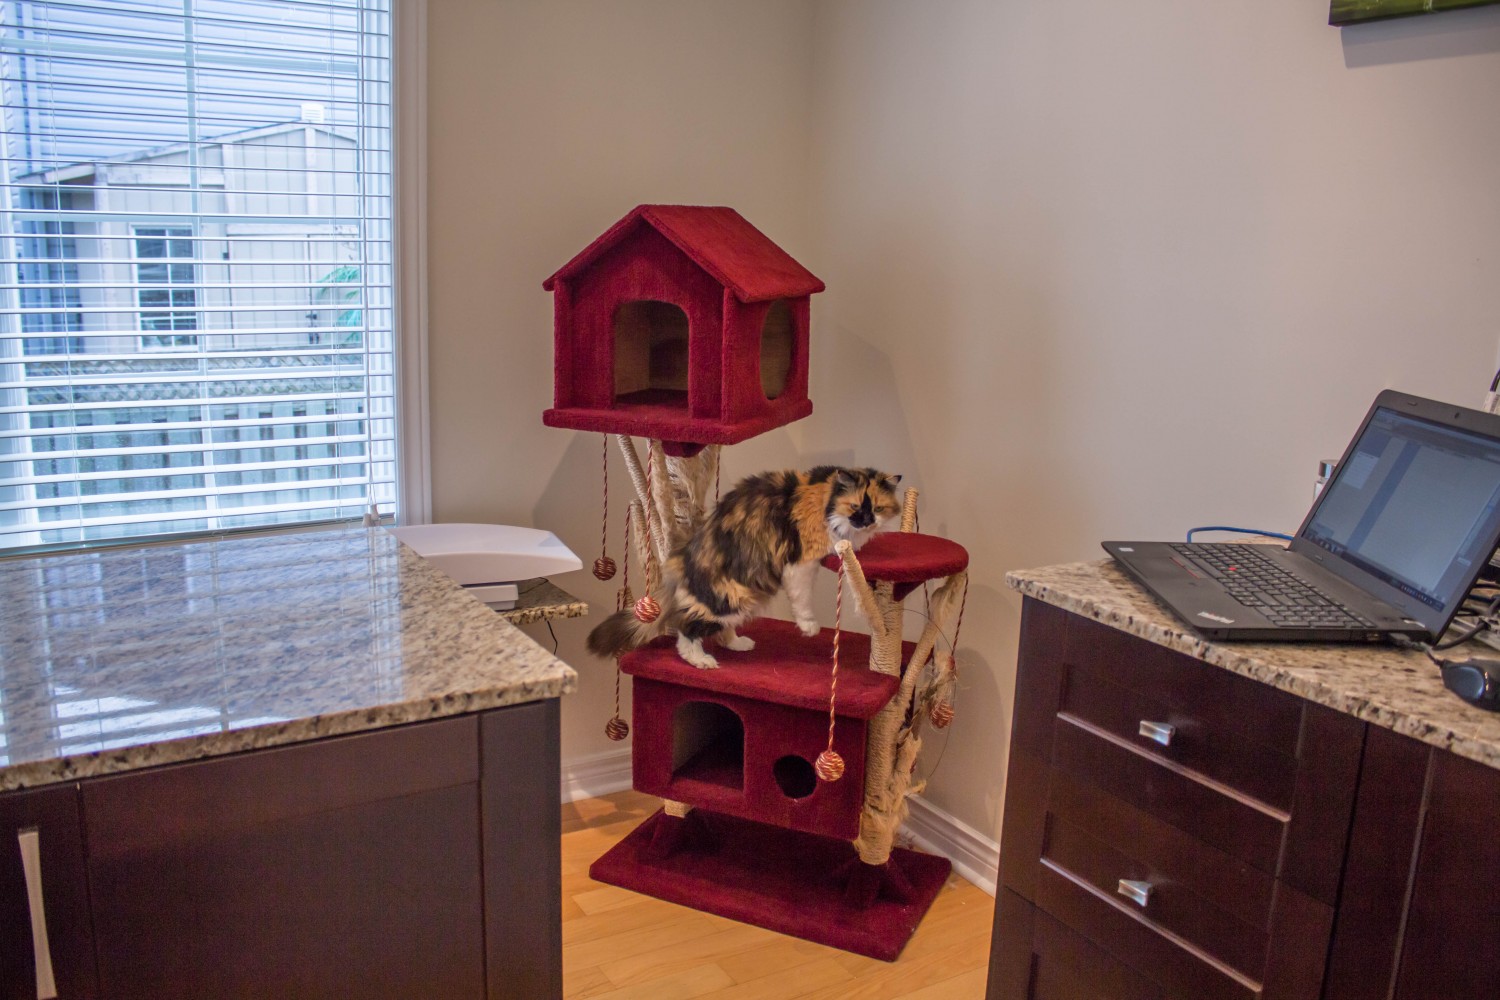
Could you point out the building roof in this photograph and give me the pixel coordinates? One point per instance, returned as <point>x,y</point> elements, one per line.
<point>717,239</point>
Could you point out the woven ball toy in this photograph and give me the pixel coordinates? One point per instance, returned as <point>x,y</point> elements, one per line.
<point>830,766</point>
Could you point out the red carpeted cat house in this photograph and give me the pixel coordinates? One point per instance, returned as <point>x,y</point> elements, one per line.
<point>682,323</point>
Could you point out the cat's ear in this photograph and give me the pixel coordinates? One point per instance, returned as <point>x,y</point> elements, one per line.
<point>891,481</point>
<point>846,479</point>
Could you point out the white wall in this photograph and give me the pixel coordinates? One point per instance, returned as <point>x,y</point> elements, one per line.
<point>1104,270</point>
<point>547,121</point>
<point>1095,269</point>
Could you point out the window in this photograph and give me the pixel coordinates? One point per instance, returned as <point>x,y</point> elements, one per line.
<point>164,303</point>
<point>196,266</point>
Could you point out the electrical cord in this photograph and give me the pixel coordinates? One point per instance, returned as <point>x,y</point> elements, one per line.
<point>1243,531</point>
<point>1475,680</point>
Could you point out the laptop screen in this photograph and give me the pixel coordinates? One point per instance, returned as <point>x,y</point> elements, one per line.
<point>1415,504</point>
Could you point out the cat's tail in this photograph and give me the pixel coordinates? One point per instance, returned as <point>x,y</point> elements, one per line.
<point>623,631</point>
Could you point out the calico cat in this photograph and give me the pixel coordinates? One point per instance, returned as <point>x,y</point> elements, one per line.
<point>771,531</point>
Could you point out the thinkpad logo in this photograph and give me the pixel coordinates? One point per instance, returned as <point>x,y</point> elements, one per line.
<point>1216,618</point>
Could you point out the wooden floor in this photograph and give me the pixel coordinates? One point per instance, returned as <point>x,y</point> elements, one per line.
<point>619,944</point>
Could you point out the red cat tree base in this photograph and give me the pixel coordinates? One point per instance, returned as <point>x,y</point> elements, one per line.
<point>783,880</point>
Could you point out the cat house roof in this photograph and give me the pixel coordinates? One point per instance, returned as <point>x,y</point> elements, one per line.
<point>717,239</point>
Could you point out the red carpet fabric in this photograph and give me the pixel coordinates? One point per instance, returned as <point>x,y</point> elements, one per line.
<point>681,323</point>
<point>783,880</point>
<point>908,559</point>
<point>743,739</point>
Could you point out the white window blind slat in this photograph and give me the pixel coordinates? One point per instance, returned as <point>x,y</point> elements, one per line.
<point>195,266</point>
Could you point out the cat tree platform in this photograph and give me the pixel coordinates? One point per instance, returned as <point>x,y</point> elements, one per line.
<point>786,881</point>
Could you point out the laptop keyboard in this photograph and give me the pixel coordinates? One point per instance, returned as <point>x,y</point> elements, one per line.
<point>1257,582</point>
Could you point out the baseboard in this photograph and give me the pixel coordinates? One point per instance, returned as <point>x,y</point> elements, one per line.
<point>596,774</point>
<point>974,856</point>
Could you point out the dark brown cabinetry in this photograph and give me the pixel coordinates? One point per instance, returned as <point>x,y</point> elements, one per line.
<point>45,824</point>
<point>1420,912</point>
<point>417,861</point>
<point>1173,830</point>
<point>1170,829</point>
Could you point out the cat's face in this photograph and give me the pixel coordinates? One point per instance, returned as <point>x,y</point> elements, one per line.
<point>864,501</point>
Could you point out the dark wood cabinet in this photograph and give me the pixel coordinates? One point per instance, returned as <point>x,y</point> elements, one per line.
<point>1174,830</point>
<point>1420,915</point>
<point>1176,827</point>
<point>50,887</point>
<point>416,861</point>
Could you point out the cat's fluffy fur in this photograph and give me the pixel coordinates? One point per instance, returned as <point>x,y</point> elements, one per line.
<point>771,531</point>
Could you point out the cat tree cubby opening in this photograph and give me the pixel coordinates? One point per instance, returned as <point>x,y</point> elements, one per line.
<point>708,745</point>
<point>651,354</point>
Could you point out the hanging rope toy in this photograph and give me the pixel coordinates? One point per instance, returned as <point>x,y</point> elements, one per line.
<point>617,728</point>
<point>830,766</point>
<point>646,609</point>
<point>604,566</point>
<point>940,712</point>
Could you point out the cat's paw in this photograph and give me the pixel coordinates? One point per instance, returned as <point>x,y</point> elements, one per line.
<point>808,627</point>
<point>694,653</point>
<point>740,644</point>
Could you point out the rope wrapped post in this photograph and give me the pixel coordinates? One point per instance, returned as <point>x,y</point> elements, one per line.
<point>869,604</point>
<point>909,510</point>
<point>654,532</point>
<point>892,746</point>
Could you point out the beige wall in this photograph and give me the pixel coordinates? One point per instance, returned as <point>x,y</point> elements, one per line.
<point>1095,269</point>
<point>547,121</point>
<point>1110,270</point>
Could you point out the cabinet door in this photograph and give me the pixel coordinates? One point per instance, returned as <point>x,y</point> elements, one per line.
<point>1451,947</point>
<point>344,868</point>
<point>1419,915</point>
<point>44,825</point>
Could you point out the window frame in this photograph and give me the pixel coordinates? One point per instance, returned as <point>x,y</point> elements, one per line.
<point>408,290</point>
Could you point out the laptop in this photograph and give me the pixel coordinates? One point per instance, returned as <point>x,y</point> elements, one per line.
<point>1391,545</point>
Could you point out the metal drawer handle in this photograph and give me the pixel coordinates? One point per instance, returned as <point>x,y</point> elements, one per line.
<point>31,864</point>
<point>1160,732</point>
<point>1134,890</point>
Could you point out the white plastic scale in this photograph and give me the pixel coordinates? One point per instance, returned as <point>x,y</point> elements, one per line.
<point>490,560</point>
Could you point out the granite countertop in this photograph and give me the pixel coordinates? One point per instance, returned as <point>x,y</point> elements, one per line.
<point>123,658</point>
<point>542,599</point>
<point>1398,689</point>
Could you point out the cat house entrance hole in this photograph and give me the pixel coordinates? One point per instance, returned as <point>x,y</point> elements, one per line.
<point>708,744</point>
<point>795,776</point>
<point>651,353</point>
<point>776,339</point>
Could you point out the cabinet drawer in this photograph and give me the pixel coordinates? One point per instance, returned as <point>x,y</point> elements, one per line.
<point>1184,969</point>
<point>1233,730</point>
<point>1226,754</point>
<point>1260,775</point>
<point>1210,812</point>
<point>1217,903</point>
<point>1037,958</point>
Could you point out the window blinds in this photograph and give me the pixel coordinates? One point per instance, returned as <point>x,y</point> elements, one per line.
<point>196,316</point>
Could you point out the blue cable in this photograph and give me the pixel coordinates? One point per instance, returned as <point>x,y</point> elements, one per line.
<point>1244,531</point>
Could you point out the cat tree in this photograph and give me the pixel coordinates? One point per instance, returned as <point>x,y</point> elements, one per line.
<point>688,326</point>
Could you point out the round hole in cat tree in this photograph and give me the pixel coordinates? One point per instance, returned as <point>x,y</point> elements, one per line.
<point>795,776</point>
<point>651,353</point>
<point>776,340</point>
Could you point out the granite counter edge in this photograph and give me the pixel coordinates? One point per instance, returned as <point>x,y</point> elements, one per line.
<point>1384,715</point>
<point>74,767</point>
